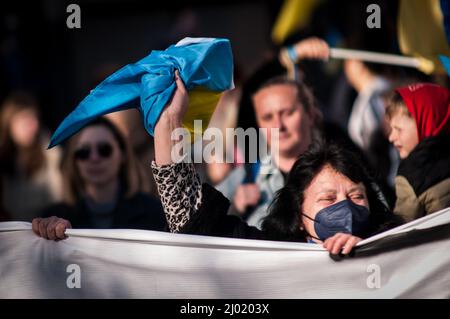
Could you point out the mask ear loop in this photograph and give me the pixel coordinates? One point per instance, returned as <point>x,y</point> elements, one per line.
<point>309,217</point>
<point>304,228</point>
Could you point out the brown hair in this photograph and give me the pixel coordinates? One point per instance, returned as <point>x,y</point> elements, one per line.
<point>395,105</point>
<point>34,157</point>
<point>304,95</point>
<point>130,175</point>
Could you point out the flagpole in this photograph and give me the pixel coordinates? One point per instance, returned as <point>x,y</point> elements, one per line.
<point>422,64</point>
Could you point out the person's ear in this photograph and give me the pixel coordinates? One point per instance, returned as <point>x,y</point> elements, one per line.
<point>301,224</point>
<point>302,227</point>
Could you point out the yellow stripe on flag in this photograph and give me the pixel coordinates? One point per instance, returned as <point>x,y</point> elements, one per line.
<point>421,30</point>
<point>202,103</point>
<point>294,14</point>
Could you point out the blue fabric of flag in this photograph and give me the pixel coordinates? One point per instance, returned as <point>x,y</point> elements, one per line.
<point>203,63</point>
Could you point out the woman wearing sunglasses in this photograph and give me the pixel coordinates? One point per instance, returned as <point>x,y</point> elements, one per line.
<point>101,187</point>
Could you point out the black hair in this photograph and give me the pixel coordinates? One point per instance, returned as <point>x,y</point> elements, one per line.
<point>284,220</point>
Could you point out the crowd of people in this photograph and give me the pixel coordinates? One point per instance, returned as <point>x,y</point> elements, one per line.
<point>330,185</point>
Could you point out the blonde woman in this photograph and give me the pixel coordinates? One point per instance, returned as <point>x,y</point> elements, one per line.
<point>102,187</point>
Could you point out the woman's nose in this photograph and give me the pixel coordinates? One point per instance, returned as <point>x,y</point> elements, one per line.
<point>277,123</point>
<point>94,155</point>
<point>280,123</point>
<point>340,198</point>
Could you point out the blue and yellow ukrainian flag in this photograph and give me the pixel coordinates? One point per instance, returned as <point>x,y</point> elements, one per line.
<point>205,66</point>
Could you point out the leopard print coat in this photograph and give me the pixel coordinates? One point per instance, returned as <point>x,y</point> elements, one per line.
<point>180,190</point>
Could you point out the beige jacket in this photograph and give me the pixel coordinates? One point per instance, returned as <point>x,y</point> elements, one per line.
<point>410,206</point>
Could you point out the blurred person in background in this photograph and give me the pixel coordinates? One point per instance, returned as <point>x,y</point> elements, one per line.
<point>30,175</point>
<point>419,115</point>
<point>289,106</point>
<point>225,117</point>
<point>102,186</point>
<point>130,124</point>
<point>366,123</point>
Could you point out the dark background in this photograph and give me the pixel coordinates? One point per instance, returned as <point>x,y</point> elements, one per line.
<point>39,53</point>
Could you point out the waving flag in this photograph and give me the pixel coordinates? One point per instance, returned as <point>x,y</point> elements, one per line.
<point>421,30</point>
<point>294,15</point>
<point>205,66</point>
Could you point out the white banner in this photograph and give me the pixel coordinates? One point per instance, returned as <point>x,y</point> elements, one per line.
<point>148,264</point>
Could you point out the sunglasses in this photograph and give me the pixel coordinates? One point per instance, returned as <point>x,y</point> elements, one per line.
<point>104,150</point>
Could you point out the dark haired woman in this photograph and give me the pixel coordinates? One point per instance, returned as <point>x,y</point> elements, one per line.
<point>102,187</point>
<point>329,199</point>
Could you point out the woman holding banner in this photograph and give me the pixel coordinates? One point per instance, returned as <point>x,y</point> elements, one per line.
<point>329,199</point>
<point>102,186</point>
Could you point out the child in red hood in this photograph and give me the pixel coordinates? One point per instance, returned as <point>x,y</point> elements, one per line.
<point>419,116</point>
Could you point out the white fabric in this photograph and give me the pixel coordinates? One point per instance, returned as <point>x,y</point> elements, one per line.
<point>148,264</point>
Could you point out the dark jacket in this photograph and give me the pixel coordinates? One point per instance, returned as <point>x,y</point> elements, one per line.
<point>140,211</point>
<point>422,184</point>
<point>212,219</point>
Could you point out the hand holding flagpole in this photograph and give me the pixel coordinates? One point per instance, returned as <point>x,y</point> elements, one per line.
<point>315,48</point>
